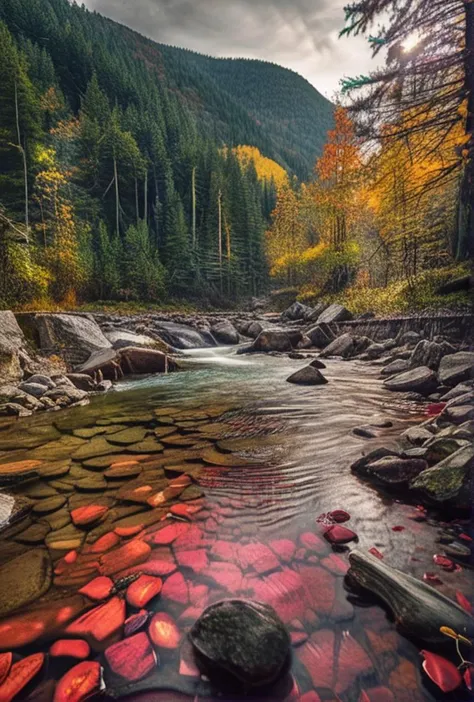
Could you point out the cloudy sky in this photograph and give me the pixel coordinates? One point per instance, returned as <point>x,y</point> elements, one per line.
<point>298,34</point>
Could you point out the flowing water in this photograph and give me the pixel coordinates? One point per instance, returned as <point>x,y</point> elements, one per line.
<point>207,484</point>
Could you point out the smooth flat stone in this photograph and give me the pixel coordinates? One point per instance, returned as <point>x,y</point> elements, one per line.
<point>52,504</point>
<point>24,579</point>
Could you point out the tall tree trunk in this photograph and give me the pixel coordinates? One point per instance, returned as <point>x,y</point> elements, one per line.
<point>23,156</point>
<point>465,248</point>
<point>117,201</point>
<point>193,190</point>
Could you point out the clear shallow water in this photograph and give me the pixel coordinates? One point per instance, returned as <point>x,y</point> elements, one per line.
<point>264,458</point>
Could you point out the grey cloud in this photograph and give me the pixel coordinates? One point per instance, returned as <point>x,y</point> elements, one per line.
<point>298,34</point>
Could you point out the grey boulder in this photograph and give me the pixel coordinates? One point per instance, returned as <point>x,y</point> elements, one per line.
<point>225,332</point>
<point>307,376</point>
<point>456,368</point>
<point>421,380</point>
<point>335,313</point>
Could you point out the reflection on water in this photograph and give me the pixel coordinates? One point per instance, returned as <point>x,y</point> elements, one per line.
<point>175,491</point>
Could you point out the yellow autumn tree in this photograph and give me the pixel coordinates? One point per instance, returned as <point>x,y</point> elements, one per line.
<point>267,169</point>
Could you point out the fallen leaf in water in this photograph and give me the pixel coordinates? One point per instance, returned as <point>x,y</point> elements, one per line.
<point>144,589</point>
<point>83,516</point>
<point>443,561</point>
<point>441,671</point>
<point>465,537</point>
<point>128,531</point>
<point>72,648</point>
<point>130,554</point>
<point>339,515</point>
<point>339,535</point>
<point>103,544</point>
<point>100,623</point>
<point>164,632</point>
<point>5,665</point>
<point>432,579</point>
<point>375,552</point>
<point>467,677</point>
<point>133,658</point>
<point>398,527</point>
<point>20,675</point>
<point>464,602</point>
<point>435,408</point>
<point>79,683</point>
<point>135,622</point>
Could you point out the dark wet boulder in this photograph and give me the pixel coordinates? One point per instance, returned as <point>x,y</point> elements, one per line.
<point>397,366</point>
<point>295,312</point>
<point>316,363</point>
<point>375,351</point>
<point>243,643</point>
<point>225,333</point>
<point>419,609</point>
<point>427,353</point>
<point>12,394</point>
<point>295,356</point>
<point>360,466</point>
<point>182,336</point>
<point>416,436</point>
<point>335,313</point>
<point>408,338</point>
<point>307,376</point>
<point>321,335</point>
<point>346,346</point>
<point>80,334</point>
<point>394,471</point>
<point>269,340</point>
<point>42,380</point>
<point>254,329</point>
<point>448,482</point>
<point>440,447</point>
<point>35,389</point>
<point>459,414</point>
<point>316,312</point>
<point>421,380</point>
<point>457,391</point>
<point>136,361</point>
<point>456,368</point>
<point>82,381</point>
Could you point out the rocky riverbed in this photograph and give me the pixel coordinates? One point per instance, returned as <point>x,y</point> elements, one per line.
<point>124,519</point>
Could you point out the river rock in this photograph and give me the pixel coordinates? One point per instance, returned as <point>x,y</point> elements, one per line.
<point>243,641</point>
<point>34,389</point>
<point>456,368</point>
<point>360,466</point>
<point>41,379</point>
<point>375,351</point>
<point>182,336</point>
<point>24,579</point>
<point>71,393</point>
<point>316,363</point>
<point>346,346</point>
<point>335,313</point>
<point>58,332</point>
<point>416,436</point>
<point>427,353</point>
<point>457,391</point>
<point>143,361</point>
<point>82,381</point>
<point>295,312</point>
<point>448,482</point>
<point>459,414</point>
<point>395,471</point>
<point>421,380</point>
<point>119,338</point>
<point>225,332</point>
<point>309,375</point>
<point>12,409</point>
<point>272,341</point>
<point>397,366</point>
<point>12,342</point>
<point>321,335</point>
<point>254,329</point>
<point>408,338</point>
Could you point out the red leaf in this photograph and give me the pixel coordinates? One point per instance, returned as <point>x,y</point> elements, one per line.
<point>128,531</point>
<point>464,602</point>
<point>339,516</point>
<point>5,665</point>
<point>164,631</point>
<point>100,623</point>
<point>313,543</point>
<point>103,544</point>
<point>441,671</point>
<point>434,409</point>
<point>398,528</point>
<point>377,694</point>
<point>432,578</point>
<point>98,589</point>
<point>339,535</point>
<point>176,589</point>
<point>444,562</point>
<point>20,675</point>
<point>142,590</point>
<point>132,658</point>
<point>467,677</point>
<point>135,622</point>
<point>375,552</point>
<point>82,516</point>
<point>79,683</point>
<point>465,537</point>
<point>72,648</point>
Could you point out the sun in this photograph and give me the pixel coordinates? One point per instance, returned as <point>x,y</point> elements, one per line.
<point>411,42</point>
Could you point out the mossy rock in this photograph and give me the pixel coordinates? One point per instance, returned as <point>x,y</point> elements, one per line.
<point>449,481</point>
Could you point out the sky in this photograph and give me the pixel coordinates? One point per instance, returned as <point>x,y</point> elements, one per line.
<point>298,34</point>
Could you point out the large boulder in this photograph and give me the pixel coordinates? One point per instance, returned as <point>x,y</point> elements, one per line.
<point>335,313</point>
<point>241,644</point>
<point>269,340</point>
<point>346,346</point>
<point>449,482</point>
<point>307,376</point>
<point>321,335</point>
<point>225,332</point>
<point>254,329</point>
<point>399,365</point>
<point>75,335</point>
<point>181,336</point>
<point>295,312</point>
<point>119,338</point>
<point>12,342</point>
<point>394,471</point>
<point>113,364</point>
<point>360,466</point>
<point>427,353</point>
<point>421,380</point>
<point>456,368</point>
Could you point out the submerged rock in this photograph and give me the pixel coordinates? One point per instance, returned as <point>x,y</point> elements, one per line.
<point>239,640</point>
<point>419,609</point>
<point>24,579</point>
<point>307,376</point>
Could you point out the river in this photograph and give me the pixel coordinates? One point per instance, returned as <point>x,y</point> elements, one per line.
<point>264,458</point>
